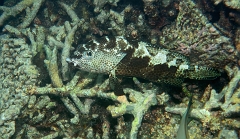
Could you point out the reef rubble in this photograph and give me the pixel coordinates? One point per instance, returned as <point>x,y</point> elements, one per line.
<point>41,96</point>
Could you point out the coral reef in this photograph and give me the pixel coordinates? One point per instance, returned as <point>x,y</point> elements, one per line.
<point>15,10</point>
<point>212,112</point>
<point>233,4</point>
<point>41,96</point>
<point>197,38</point>
<point>99,4</point>
<point>18,74</point>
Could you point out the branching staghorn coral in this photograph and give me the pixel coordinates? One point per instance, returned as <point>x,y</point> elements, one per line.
<point>15,10</point>
<point>137,107</point>
<point>140,103</point>
<point>36,36</point>
<point>65,106</point>
<point>233,4</point>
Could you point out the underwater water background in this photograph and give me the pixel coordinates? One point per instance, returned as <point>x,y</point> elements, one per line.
<point>119,69</point>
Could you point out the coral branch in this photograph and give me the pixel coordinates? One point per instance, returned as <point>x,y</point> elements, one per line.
<point>230,106</point>
<point>31,13</point>
<point>141,103</point>
<point>52,66</point>
<point>15,10</point>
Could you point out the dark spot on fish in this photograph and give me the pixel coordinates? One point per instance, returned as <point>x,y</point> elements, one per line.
<point>111,44</point>
<point>92,45</point>
<point>102,40</point>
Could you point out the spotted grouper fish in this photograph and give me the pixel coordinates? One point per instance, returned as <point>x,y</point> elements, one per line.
<point>117,56</point>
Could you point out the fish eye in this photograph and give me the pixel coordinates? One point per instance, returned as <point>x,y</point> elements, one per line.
<point>89,53</point>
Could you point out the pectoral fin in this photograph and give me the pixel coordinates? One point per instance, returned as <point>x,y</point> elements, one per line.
<point>115,84</point>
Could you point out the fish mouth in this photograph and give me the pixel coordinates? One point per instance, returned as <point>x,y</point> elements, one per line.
<point>69,60</point>
<point>72,61</point>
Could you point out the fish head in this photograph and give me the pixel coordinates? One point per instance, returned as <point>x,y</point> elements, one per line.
<point>95,60</point>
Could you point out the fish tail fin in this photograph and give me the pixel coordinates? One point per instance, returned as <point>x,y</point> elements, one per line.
<point>202,73</point>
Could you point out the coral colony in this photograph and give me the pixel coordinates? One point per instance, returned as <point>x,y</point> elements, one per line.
<point>120,69</point>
